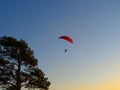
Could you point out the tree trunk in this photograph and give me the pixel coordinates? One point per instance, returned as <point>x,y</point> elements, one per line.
<point>18,78</point>
<point>18,73</point>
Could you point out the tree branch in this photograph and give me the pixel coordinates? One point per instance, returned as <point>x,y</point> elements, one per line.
<point>11,83</point>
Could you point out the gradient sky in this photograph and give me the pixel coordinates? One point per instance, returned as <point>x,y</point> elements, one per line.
<point>92,62</point>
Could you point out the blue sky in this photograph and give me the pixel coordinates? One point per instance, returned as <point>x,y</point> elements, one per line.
<point>92,61</point>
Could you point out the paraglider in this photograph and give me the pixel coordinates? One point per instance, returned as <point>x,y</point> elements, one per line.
<point>68,39</point>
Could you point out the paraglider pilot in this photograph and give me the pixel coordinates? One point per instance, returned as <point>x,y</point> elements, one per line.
<point>65,50</point>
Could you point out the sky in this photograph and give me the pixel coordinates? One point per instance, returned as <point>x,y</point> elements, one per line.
<point>92,62</point>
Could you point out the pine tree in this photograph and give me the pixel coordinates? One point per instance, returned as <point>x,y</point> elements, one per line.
<point>19,67</point>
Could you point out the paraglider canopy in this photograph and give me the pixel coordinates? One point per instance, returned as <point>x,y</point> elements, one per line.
<point>66,38</point>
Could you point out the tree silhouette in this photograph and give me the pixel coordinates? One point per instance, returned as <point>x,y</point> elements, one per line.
<point>19,67</point>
